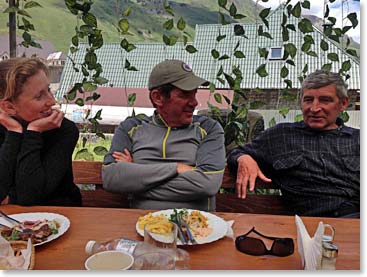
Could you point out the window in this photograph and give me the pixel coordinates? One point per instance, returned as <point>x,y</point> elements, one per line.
<point>276,53</point>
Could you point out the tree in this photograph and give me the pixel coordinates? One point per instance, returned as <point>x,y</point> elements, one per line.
<point>12,30</point>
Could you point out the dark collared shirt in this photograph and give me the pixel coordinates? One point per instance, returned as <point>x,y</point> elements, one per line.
<point>317,171</point>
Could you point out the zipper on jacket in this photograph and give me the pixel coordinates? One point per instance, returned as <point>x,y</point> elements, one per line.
<point>164,143</point>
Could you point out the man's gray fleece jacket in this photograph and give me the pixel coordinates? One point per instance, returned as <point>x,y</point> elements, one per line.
<point>151,179</point>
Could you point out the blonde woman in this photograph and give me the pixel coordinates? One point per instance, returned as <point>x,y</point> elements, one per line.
<point>36,141</point>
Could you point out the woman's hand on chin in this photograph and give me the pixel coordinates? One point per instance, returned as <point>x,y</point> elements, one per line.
<point>5,201</point>
<point>10,123</point>
<point>50,122</point>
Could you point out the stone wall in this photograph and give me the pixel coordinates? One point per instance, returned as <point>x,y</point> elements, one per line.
<point>275,99</point>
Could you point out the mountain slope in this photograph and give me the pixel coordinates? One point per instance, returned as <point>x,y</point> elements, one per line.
<point>55,23</point>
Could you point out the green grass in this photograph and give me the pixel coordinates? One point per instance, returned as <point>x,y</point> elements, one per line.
<point>54,22</point>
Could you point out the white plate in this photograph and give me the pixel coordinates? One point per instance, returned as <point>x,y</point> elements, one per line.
<point>218,225</point>
<point>62,220</point>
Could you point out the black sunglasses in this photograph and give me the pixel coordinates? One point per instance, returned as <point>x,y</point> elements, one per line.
<point>281,247</point>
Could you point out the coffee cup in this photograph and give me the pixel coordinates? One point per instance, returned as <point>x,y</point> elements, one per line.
<point>109,260</point>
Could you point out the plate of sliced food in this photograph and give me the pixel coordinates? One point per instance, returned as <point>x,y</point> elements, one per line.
<point>40,227</point>
<point>194,226</point>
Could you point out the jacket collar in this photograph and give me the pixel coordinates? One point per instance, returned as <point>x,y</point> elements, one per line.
<point>158,120</point>
<point>341,127</point>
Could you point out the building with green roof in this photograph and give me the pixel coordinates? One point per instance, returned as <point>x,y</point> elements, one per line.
<point>262,89</point>
<point>249,44</point>
<point>112,58</point>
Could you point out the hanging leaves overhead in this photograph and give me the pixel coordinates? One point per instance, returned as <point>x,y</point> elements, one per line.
<point>296,11</point>
<point>181,24</point>
<point>353,19</point>
<point>333,57</point>
<point>27,26</point>
<point>263,14</point>
<point>261,71</point>
<point>168,25</point>
<point>305,26</point>
<point>238,30</point>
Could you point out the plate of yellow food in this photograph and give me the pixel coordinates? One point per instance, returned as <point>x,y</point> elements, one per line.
<point>203,226</point>
<point>40,227</point>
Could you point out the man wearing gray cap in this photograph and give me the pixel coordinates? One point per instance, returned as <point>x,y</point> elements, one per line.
<point>173,159</point>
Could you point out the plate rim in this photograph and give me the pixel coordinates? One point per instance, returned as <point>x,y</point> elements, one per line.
<point>65,221</point>
<point>208,214</point>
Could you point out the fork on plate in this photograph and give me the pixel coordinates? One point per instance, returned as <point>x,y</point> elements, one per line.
<point>8,218</point>
<point>188,231</point>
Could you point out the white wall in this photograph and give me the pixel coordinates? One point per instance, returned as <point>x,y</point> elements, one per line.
<point>354,117</point>
<point>112,115</point>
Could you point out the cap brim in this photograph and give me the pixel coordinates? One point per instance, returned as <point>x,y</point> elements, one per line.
<point>190,83</point>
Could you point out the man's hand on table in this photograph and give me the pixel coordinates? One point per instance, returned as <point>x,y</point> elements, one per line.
<point>247,172</point>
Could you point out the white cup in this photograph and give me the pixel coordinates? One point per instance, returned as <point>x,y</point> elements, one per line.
<point>109,260</point>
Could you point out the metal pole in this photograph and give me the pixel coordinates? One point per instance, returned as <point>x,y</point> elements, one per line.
<point>12,31</point>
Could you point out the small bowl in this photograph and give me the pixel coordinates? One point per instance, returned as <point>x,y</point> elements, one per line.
<point>109,260</point>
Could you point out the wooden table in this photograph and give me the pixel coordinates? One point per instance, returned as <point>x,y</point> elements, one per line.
<point>100,224</point>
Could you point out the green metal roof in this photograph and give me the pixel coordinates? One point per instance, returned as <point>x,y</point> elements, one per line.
<point>112,57</point>
<point>146,55</point>
<point>205,41</point>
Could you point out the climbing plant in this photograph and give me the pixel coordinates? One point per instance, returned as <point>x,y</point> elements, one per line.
<point>21,8</point>
<point>236,124</point>
<point>91,68</point>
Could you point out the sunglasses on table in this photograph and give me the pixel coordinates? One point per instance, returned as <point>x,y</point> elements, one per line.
<point>281,247</point>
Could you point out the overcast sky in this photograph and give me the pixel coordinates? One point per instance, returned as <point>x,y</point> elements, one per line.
<point>317,8</point>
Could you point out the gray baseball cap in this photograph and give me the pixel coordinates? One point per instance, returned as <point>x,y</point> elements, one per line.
<point>177,73</point>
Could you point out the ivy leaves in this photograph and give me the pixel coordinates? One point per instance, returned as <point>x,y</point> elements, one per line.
<point>25,24</point>
<point>290,50</point>
<point>171,37</point>
<point>261,70</point>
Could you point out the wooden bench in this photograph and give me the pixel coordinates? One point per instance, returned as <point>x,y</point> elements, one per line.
<point>259,202</point>
<point>86,172</point>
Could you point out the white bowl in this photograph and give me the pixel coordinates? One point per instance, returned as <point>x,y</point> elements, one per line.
<point>109,260</point>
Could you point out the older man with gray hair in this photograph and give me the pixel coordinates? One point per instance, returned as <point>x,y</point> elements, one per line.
<point>315,162</point>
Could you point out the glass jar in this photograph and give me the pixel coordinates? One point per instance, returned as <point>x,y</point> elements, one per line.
<point>329,255</point>
<point>137,248</point>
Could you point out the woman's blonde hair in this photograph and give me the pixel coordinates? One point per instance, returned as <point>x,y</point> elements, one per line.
<point>14,73</point>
